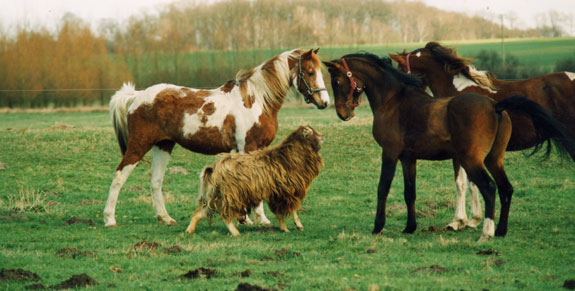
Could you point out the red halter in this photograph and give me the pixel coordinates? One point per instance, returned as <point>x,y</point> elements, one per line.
<point>353,89</point>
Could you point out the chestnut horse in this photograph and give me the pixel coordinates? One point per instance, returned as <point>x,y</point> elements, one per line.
<point>409,124</point>
<point>240,115</point>
<point>447,75</point>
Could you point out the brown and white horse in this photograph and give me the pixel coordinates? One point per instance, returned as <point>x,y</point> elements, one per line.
<point>448,75</point>
<point>240,115</point>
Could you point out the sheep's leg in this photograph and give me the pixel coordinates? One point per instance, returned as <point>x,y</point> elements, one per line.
<point>282,222</point>
<point>230,224</point>
<point>199,214</point>
<point>296,220</point>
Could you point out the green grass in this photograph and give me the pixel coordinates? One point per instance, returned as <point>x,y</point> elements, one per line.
<point>62,172</point>
<point>213,68</point>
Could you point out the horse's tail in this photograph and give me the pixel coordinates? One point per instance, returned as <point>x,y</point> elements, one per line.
<point>119,105</point>
<point>547,128</point>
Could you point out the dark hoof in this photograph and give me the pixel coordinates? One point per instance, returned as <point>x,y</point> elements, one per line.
<point>500,233</point>
<point>409,230</point>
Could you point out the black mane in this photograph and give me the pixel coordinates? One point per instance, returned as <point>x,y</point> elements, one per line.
<point>386,65</point>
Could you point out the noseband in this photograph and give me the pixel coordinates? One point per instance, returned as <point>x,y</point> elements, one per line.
<point>309,91</point>
<point>354,89</point>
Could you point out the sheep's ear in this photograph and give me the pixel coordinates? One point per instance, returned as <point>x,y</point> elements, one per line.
<point>307,131</point>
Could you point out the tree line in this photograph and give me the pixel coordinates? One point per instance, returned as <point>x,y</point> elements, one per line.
<point>206,43</point>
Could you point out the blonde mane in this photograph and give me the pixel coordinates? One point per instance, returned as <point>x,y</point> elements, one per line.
<point>268,83</point>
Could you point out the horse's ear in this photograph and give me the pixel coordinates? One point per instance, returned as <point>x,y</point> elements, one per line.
<point>315,51</point>
<point>332,66</point>
<point>397,58</point>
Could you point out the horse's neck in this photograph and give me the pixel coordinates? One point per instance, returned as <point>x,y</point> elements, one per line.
<point>270,90</point>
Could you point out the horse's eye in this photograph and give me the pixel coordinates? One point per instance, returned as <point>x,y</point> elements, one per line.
<point>310,73</point>
<point>338,82</point>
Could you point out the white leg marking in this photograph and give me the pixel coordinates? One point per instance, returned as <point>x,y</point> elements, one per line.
<point>476,215</point>
<point>460,218</point>
<point>488,230</point>
<point>159,165</point>
<point>260,215</point>
<point>120,178</point>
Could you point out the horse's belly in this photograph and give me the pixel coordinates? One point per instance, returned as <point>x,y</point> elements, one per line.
<point>209,141</point>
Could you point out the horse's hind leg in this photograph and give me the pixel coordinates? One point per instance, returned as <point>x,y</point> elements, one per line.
<point>478,175</point>
<point>460,219</point>
<point>162,152</point>
<point>128,163</point>
<point>476,216</point>
<point>494,163</point>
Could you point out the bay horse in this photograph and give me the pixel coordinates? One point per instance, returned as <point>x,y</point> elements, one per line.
<point>447,75</point>
<point>409,124</point>
<point>239,115</point>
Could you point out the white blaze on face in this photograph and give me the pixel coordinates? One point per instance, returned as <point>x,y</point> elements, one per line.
<point>570,75</point>
<point>418,54</point>
<point>320,84</point>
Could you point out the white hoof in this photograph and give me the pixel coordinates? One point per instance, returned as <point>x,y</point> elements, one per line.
<point>474,222</point>
<point>167,220</point>
<point>457,224</point>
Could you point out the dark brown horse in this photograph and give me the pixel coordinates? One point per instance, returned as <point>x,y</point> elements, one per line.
<point>240,115</point>
<point>447,75</point>
<point>408,124</point>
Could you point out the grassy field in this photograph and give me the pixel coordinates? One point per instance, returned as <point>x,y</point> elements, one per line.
<point>213,68</point>
<point>56,169</point>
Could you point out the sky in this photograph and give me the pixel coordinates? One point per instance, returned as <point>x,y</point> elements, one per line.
<point>48,12</point>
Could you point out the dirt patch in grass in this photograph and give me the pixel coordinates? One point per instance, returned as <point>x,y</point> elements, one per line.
<point>250,287</point>
<point>371,251</point>
<point>172,250</point>
<point>75,220</point>
<point>18,275</point>
<point>13,217</point>
<point>76,281</point>
<point>569,284</point>
<point>145,245</point>
<point>285,253</point>
<point>35,287</point>
<point>200,272</point>
<point>3,166</point>
<point>495,262</point>
<point>434,229</point>
<point>488,252</point>
<point>74,253</point>
<point>246,273</point>
<point>432,269</point>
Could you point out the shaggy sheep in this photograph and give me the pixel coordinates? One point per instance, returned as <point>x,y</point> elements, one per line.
<point>280,175</point>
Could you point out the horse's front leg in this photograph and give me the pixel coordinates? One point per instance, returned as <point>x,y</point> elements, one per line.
<point>409,173</point>
<point>387,172</point>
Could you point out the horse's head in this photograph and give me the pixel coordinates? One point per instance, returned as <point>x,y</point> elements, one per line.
<point>309,81</point>
<point>347,88</point>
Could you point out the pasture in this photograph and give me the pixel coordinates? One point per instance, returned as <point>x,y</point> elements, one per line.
<point>56,169</point>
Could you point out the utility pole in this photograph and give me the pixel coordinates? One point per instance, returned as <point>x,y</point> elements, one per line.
<point>502,45</point>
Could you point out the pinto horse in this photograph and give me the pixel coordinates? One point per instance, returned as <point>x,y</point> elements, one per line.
<point>240,115</point>
<point>409,124</point>
<point>447,75</point>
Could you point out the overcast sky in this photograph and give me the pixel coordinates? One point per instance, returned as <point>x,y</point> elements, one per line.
<point>48,12</point>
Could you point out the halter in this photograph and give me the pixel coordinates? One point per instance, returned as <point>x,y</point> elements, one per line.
<point>309,91</point>
<point>354,89</point>
<point>407,63</point>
